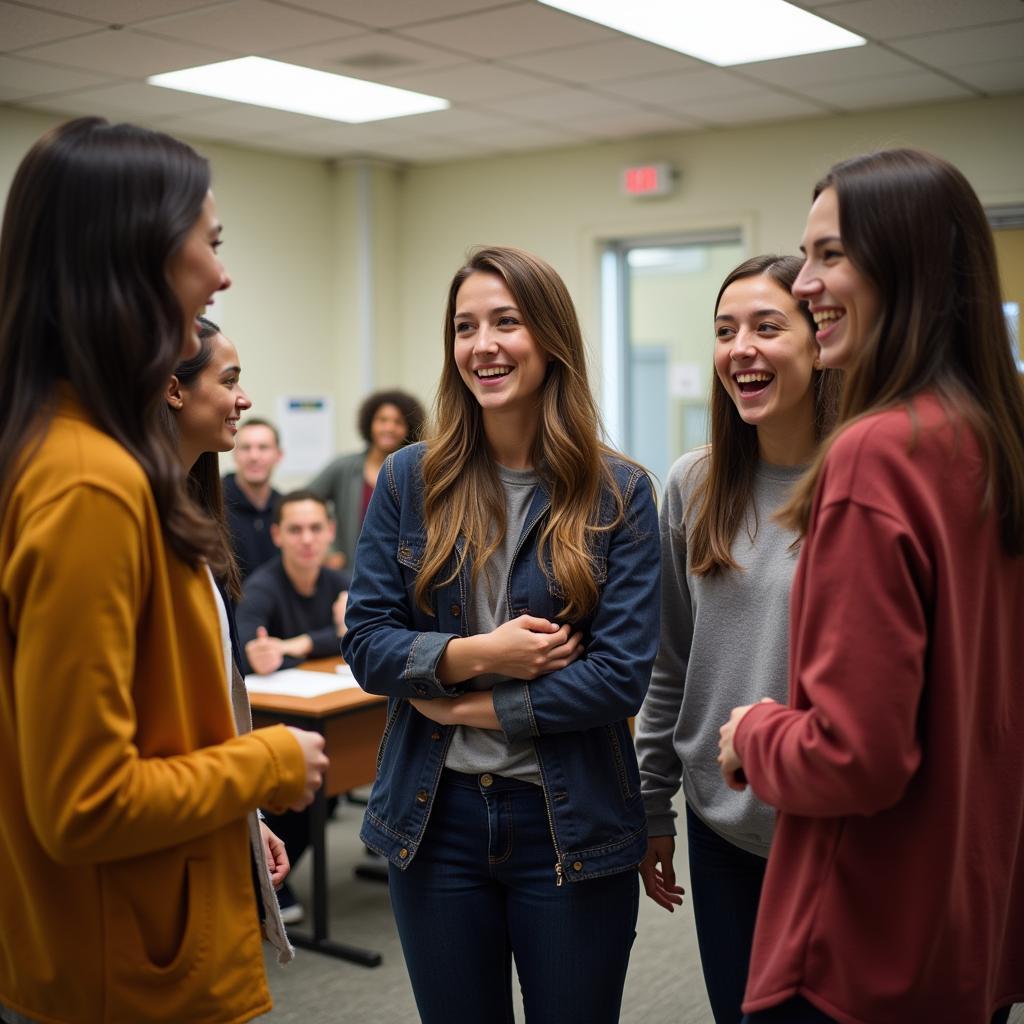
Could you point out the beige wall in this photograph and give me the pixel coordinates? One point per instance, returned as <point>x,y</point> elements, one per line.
<point>295,234</point>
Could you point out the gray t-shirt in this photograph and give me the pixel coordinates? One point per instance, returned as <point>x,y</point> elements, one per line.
<point>487,750</point>
<point>724,642</point>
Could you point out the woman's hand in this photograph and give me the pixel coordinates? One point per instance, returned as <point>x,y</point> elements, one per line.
<point>475,709</point>
<point>527,647</point>
<point>661,885</point>
<point>728,759</point>
<point>276,855</point>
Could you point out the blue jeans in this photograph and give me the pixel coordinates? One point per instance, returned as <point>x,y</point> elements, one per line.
<point>725,888</point>
<point>482,890</point>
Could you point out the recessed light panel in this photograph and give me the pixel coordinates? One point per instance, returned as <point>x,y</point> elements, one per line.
<point>722,32</point>
<point>271,83</point>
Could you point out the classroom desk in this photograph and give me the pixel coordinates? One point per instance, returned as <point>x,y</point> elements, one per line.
<point>352,723</point>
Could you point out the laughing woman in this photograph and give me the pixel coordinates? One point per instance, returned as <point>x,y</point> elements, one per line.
<point>727,570</point>
<point>506,601</point>
<point>895,885</point>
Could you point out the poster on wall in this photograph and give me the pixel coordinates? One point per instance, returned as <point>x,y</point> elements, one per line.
<point>306,423</point>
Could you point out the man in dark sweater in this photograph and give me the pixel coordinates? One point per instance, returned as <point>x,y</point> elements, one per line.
<point>293,608</point>
<point>249,498</point>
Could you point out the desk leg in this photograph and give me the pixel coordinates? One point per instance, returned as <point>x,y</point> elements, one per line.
<point>319,942</point>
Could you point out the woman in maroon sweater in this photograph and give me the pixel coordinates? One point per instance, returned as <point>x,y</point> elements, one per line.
<point>895,886</point>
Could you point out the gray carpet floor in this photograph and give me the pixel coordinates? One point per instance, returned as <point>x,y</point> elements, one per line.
<point>664,984</point>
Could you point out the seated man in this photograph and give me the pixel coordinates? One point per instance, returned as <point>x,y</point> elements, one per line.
<point>293,608</point>
<point>249,498</point>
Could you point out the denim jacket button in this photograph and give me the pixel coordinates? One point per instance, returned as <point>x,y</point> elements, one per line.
<point>577,865</point>
<point>420,689</point>
<point>435,735</point>
<point>486,780</point>
<point>456,610</point>
<point>403,853</point>
<point>421,796</point>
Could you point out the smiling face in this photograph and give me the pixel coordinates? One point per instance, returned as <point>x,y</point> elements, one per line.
<point>765,355</point>
<point>196,273</point>
<point>208,409</point>
<point>844,303</point>
<point>388,429</point>
<point>256,454</point>
<point>497,357</point>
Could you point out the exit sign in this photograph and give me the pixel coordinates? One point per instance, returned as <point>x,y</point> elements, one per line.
<point>649,180</point>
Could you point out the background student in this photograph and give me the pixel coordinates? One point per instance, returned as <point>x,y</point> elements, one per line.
<point>249,496</point>
<point>387,420</point>
<point>123,787</point>
<point>506,601</point>
<point>205,399</point>
<point>895,884</point>
<point>727,566</point>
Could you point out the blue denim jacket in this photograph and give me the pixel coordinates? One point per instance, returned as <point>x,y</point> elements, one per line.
<point>577,716</point>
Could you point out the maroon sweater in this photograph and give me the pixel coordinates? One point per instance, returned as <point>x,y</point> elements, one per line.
<point>895,885</point>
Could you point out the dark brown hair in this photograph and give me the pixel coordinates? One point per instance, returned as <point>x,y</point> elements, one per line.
<point>203,480</point>
<point>292,497</point>
<point>94,215</point>
<point>722,499</point>
<point>913,226</point>
<point>410,408</point>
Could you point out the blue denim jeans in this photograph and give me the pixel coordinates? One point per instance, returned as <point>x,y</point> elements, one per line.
<point>482,890</point>
<point>725,887</point>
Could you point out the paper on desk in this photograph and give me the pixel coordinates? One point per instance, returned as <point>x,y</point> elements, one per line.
<point>297,682</point>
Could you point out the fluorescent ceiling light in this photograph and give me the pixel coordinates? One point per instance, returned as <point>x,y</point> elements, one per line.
<point>270,83</point>
<point>722,32</point>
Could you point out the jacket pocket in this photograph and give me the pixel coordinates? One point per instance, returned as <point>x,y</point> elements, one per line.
<point>158,930</point>
<point>410,553</point>
<point>625,766</point>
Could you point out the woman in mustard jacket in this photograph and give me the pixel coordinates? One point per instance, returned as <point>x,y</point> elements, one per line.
<point>124,788</point>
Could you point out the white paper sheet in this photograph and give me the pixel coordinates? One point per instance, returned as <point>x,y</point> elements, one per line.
<point>297,682</point>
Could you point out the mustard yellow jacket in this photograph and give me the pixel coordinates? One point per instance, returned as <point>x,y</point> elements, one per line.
<point>125,887</point>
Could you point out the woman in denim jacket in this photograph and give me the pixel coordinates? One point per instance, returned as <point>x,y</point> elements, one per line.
<point>506,602</point>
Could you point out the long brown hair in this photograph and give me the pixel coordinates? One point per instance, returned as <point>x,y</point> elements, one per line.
<point>462,495</point>
<point>94,215</point>
<point>912,224</point>
<point>203,480</point>
<point>722,499</point>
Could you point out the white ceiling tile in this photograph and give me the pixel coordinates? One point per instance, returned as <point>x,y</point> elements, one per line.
<point>121,12</point>
<point>23,26</point>
<point>131,100</point>
<point>249,27</point>
<point>684,87</point>
<point>350,136</point>
<point>557,104</point>
<point>603,62</point>
<point>128,53</point>
<point>23,78</point>
<point>855,62</point>
<point>253,120</point>
<point>889,91</point>
<point>763,106</point>
<point>520,136</point>
<point>638,122</point>
<point>883,19</point>
<point>376,56</point>
<point>454,122</point>
<point>972,46</point>
<point>468,83</point>
<point>992,76</point>
<point>394,13</point>
<point>502,33</point>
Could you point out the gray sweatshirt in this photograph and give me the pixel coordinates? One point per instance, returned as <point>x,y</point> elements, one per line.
<point>724,642</point>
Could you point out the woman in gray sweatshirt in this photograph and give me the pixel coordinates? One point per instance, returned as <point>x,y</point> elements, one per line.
<point>727,569</point>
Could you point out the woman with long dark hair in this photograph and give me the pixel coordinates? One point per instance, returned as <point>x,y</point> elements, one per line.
<point>895,884</point>
<point>506,602</point>
<point>123,787</point>
<point>727,567</point>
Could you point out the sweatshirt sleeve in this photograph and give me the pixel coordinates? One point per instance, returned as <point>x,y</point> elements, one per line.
<point>857,650</point>
<point>660,768</point>
<point>75,590</point>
